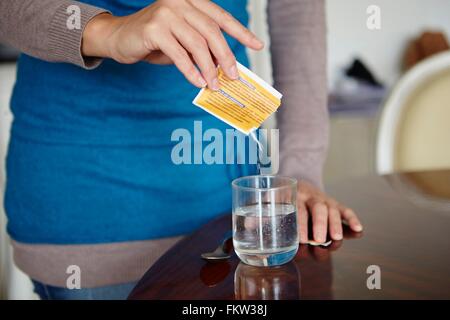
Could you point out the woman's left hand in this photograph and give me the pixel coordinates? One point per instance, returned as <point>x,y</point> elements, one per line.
<point>326,213</point>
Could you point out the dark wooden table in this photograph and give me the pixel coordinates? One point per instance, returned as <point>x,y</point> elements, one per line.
<point>407,235</point>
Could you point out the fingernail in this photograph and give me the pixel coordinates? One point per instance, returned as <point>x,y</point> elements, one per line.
<point>233,72</point>
<point>215,84</point>
<point>302,239</point>
<point>320,238</point>
<point>358,228</point>
<point>202,82</point>
<point>259,42</point>
<point>338,236</point>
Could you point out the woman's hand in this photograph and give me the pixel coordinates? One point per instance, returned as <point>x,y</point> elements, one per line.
<point>326,213</point>
<point>184,32</point>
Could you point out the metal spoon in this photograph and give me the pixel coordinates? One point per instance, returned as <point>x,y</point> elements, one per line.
<point>219,253</point>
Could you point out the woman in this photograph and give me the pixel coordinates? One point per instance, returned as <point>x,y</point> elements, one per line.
<point>90,181</point>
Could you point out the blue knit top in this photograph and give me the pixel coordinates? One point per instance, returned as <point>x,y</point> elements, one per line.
<point>89,159</point>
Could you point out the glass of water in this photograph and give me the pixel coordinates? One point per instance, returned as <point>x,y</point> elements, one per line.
<point>265,219</point>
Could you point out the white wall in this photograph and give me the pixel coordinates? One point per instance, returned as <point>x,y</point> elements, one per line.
<point>6,82</point>
<point>260,61</point>
<point>348,35</point>
<point>352,138</point>
<point>13,283</point>
<point>381,49</point>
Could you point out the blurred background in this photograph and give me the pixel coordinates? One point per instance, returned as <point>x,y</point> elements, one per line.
<point>388,96</point>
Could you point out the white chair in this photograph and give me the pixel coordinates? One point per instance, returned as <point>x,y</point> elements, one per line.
<point>414,126</point>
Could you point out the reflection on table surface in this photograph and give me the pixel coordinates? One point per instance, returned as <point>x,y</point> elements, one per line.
<point>407,237</point>
<point>312,263</point>
<point>424,188</point>
<point>274,283</point>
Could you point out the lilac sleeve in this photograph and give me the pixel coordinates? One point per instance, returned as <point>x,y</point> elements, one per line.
<point>40,29</point>
<point>298,48</point>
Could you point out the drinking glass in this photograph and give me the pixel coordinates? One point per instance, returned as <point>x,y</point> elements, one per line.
<point>265,219</point>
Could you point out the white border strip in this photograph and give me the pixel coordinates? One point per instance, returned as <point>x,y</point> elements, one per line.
<point>260,81</point>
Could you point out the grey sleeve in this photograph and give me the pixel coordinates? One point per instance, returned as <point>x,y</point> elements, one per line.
<point>40,29</point>
<point>298,48</point>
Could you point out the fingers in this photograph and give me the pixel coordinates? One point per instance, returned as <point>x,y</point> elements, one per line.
<point>158,57</point>
<point>181,59</point>
<point>350,217</point>
<point>335,223</point>
<point>197,26</point>
<point>188,32</point>
<point>198,48</point>
<point>302,223</point>
<point>229,24</point>
<point>350,234</point>
<point>319,212</point>
<point>216,41</point>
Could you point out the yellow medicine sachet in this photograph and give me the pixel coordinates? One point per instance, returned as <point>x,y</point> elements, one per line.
<point>244,103</point>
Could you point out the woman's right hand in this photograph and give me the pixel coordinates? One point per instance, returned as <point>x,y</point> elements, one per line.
<point>187,33</point>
